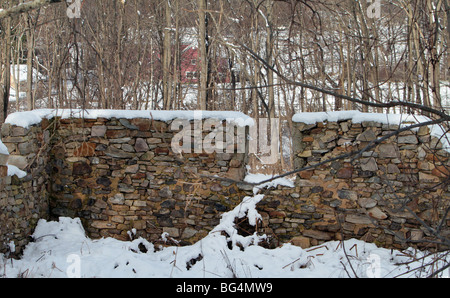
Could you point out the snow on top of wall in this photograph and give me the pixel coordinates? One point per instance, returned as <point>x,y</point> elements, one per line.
<point>359,117</point>
<point>29,118</point>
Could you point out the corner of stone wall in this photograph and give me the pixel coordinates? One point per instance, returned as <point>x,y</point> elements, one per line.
<point>23,201</point>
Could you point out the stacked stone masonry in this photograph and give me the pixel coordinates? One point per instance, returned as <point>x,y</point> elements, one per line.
<point>23,201</point>
<point>375,195</point>
<point>121,177</point>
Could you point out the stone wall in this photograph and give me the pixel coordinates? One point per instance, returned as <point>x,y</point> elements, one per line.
<point>121,175</point>
<point>4,238</point>
<point>122,178</point>
<point>23,201</point>
<point>365,197</point>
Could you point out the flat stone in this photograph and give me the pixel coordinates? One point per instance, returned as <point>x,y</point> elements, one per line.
<point>319,235</point>
<point>118,199</point>
<point>216,187</point>
<point>117,153</point>
<point>347,194</point>
<point>100,204</point>
<point>141,145</point>
<point>304,154</point>
<point>127,148</point>
<point>85,149</point>
<point>236,173</point>
<point>173,232</point>
<point>427,178</point>
<point>120,140</point>
<point>132,169</point>
<point>3,159</point>
<point>116,133</point>
<point>81,168</point>
<point>358,219</point>
<point>369,164</point>
<point>392,169</point>
<point>304,183</point>
<point>329,136</point>
<point>17,160</point>
<point>103,224</point>
<point>117,219</point>
<point>24,148</point>
<point>18,131</point>
<point>388,151</point>
<point>367,136</point>
<point>410,139</point>
<point>345,173</point>
<point>139,203</point>
<point>303,126</point>
<point>423,131</point>
<point>127,124</point>
<point>188,233</point>
<point>416,235</point>
<point>141,123</point>
<point>105,181</point>
<point>367,202</point>
<point>301,241</point>
<point>165,193</point>
<point>98,131</point>
<point>376,213</point>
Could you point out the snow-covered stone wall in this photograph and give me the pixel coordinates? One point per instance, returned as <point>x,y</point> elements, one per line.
<point>119,173</point>
<point>118,170</point>
<point>380,194</point>
<point>23,178</point>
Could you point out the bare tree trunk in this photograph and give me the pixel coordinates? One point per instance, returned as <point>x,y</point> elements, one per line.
<point>269,58</point>
<point>167,54</point>
<point>434,53</point>
<point>30,54</point>
<point>119,56</point>
<point>202,39</point>
<point>6,71</point>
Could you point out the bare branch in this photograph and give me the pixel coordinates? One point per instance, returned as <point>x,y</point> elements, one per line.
<point>390,104</point>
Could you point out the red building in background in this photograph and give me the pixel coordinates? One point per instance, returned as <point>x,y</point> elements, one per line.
<point>189,67</point>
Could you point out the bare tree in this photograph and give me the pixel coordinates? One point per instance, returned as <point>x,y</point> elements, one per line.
<point>203,40</point>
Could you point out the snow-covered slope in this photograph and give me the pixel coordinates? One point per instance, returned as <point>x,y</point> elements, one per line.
<point>61,249</point>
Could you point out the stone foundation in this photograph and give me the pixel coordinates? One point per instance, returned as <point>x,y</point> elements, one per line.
<point>122,178</point>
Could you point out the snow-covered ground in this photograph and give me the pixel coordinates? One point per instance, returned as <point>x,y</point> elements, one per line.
<point>61,249</point>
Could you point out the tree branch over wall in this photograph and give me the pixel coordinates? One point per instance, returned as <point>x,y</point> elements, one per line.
<point>391,104</point>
